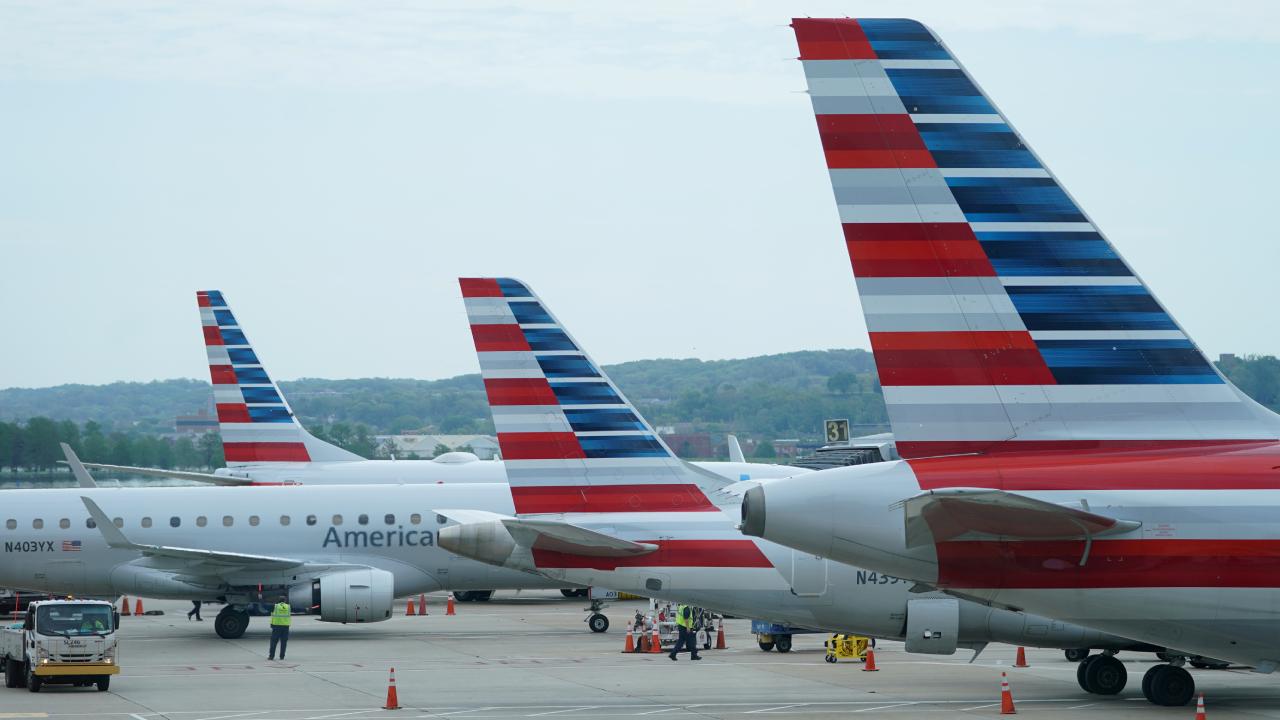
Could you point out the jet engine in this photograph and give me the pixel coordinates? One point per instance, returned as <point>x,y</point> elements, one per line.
<point>351,596</point>
<point>488,541</point>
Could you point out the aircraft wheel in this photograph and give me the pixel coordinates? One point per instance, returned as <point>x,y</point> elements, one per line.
<point>1083,669</point>
<point>1105,676</point>
<point>1168,685</point>
<point>765,645</point>
<point>1077,654</point>
<point>231,623</point>
<point>598,623</point>
<point>783,643</point>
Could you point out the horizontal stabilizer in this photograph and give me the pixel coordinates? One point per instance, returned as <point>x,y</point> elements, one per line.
<point>984,514</point>
<point>171,474</point>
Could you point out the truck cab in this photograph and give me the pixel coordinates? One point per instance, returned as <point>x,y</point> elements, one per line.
<point>61,641</point>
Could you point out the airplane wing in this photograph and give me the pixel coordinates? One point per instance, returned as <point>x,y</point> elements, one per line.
<point>225,562</point>
<point>983,513</point>
<point>173,474</point>
<point>556,535</point>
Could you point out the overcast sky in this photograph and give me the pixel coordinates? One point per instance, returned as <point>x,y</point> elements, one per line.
<point>652,169</point>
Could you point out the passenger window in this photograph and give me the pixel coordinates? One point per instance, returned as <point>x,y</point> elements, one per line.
<point>337,519</point>
<point>64,523</point>
<point>11,524</point>
<point>415,519</point>
<point>284,519</point>
<point>37,524</point>
<point>89,523</point>
<point>146,522</point>
<point>175,521</point>
<point>363,519</point>
<point>311,519</point>
<point>389,519</point>
<point>228,521</point>
<point>118,522</point>
<point>253,520</point>
<point>201,521</point>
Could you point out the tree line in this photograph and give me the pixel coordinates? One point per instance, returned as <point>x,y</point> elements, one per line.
<point>34,445</point>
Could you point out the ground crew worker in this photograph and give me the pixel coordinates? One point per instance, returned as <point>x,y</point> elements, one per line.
<point>687,637</point>
<point>281,616</point>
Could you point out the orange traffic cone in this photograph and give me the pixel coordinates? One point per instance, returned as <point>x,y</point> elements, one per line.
<point>1006,697</point>
<point>448,609</point>
<point>124,606</point>
<point>422,604</point>
<point>393,701</point>
<point>870,665</point>
<point>1200,708</point>
<point>720,643</point>
<point>409,611</point>
<point>1022,658</point>
<point>655,642</point>
<point>630,645</point>
<point>137,609</point>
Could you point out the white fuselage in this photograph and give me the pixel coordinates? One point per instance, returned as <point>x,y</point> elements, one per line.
<point>1197,576</point>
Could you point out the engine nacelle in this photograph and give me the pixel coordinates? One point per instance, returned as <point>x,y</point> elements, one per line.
<point>487,541</point>
<point>352,596</point>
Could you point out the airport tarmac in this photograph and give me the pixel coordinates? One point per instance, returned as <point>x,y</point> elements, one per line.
<point>530,655</point>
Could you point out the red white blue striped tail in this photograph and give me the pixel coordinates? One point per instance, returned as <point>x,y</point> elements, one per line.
<point>570,441</point>
<point>256,423</point>
<point>1000,316</point>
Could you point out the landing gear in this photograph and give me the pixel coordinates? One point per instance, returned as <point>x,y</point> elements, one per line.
<point>231,623</point>
<point>598,623</point>
<point>1102,675</point>
<point>1203,663</point>
<point>1077,654</point>
<point>472,595</point>
<point>1168,685</point>
<point>574,592</point>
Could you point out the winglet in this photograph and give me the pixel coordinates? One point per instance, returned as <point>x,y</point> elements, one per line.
<point>110,532</point>
<point>77,468</point>
<point>735,450</point>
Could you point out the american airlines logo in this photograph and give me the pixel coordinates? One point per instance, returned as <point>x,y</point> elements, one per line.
<point>379,538</point>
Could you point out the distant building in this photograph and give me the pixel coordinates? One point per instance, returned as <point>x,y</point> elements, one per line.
<point>690,444</point>
<point>424,446</point>
<point>788,448</point>
<point>198,424</point>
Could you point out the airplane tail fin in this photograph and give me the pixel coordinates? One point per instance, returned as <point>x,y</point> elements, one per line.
<point>256,423</point>
<point>570,440</point>
<point>1000,316</point>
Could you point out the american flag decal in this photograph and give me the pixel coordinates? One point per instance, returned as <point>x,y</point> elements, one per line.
<point>70,546</point>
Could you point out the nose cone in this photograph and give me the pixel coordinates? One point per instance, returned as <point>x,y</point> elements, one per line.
<point>753,512</point>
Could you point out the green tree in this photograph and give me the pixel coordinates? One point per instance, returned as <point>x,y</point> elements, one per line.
<point>765,450</point>
<point>440,449</point>
<point>95,445</point>
<point>120,450</point>
<point>209,450</point>
<point>842,383</point>
<point>42,443</point>
<point>185,454</point>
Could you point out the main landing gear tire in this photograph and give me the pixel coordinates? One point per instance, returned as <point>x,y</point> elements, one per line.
<point>231,623</point>
<point>1168,685</point>
<point>782,643</point>
<point>598,623</point>
<point>1102,675</point>
<point>1077,654</point>
<point>765,646</point>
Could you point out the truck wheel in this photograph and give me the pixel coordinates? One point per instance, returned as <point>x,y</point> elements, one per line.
<point>12,674</point>
<point>34,681</point>
<point>104,683</point>
<point>765,645</point>
<point>231,623</point>
<point>783,643</point>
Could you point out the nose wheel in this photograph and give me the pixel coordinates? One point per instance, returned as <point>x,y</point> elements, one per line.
<point>1168,685</point>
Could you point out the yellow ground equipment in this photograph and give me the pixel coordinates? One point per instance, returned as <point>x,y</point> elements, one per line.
<point>846,646</point>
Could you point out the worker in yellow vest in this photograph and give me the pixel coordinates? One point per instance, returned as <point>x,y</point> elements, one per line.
<point>686,637</point>
<point>281,616</point>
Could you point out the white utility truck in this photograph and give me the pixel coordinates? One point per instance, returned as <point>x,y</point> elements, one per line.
<point>61,641</point>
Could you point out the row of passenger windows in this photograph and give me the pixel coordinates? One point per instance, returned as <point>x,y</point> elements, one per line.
<point>202,521</point>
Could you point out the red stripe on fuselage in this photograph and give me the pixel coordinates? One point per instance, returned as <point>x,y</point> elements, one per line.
<point>1106,465</point>
<point>835,39</point>
<point>265,452</point>
<point>479,287</point>
<point>670,553</point>
<point>499,338</point>
<point>915,250</point>
<point>1111,564</point>
<point>519,391</point>
<point>540,446</point>
<point>608,498</point>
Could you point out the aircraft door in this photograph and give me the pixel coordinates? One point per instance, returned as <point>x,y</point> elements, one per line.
<point>808,574</point>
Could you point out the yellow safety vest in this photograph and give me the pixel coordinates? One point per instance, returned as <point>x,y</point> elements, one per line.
<point>681,620</point>
<point>281,614</point>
